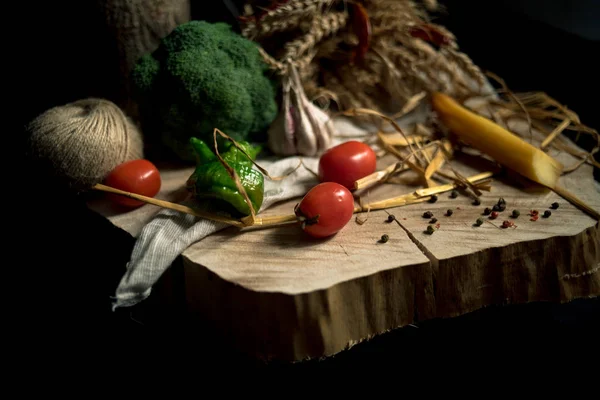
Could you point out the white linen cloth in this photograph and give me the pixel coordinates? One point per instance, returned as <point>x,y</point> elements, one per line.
<point>170,232</point>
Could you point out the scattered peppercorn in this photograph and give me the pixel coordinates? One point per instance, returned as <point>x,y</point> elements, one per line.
<point>494,215</point>
<point>476,202</point>
<point>430,229</point>
<point>384,238</point>
<point>534,213</point>
<point>427,214</point>
<point>454,194</point>
<point>496,207</point>
<point>479,222</point>
<point>487,211</point>
<point>449,212</point>
<point>502,207</point>
<point>554,205</point>
<point>508,224</point>
<point>515,214</point>
<point>433,220</point>
<point>391,218</point>
<point>433,199</point>
<point>501,201</point>
<point>547,214</point>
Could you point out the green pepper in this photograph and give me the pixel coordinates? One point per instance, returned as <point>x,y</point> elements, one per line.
<point>211,180</point>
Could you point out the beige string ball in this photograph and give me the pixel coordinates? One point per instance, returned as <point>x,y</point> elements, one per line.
<point>83,141</point>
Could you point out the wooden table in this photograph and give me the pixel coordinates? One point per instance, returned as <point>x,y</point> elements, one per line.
<point>277,294</point>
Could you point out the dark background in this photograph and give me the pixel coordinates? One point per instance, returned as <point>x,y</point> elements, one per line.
<point>77,257</point>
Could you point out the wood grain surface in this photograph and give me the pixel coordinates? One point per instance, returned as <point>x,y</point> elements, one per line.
<point>278,294</point>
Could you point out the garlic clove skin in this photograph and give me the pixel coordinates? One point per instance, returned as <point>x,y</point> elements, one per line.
<point>301,128</point>
<point>306,141</point>
<point>281,133</point>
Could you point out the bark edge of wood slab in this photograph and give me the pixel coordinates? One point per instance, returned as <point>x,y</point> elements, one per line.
<point>294,326</point>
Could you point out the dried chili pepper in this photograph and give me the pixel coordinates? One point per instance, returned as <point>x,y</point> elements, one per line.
<point>431,34</point>
<point>362,28</point>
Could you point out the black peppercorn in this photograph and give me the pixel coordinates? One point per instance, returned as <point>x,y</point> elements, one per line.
<point>487,211</point>
<point>496,207</point>
<point>515,214</point>
<point>454,194</point>
<point>502,207</point>
<point>391,218</point>
<point>385,238</point>
<point>430,229</point>
<point>554,205</point>
<point>427,214</point>
<point>433,198</point>
<point>433,220</point>
<point>547,213</point>
<point>476,202</point>
<point>501,201</point>
<point>479,222</point>
<point>449,212</point>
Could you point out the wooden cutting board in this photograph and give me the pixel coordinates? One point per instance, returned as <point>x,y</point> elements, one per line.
<point>278,294</point>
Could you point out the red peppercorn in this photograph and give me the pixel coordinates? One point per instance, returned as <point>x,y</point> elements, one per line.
<point>494,215</point>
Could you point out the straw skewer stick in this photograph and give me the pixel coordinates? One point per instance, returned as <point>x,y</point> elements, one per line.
<point>557,131</point>
<point>169,205</point>
<point>450,186</point>
<point>270,220</point>
<point>379,176</point>
<point>571,198</point>
<point>395,139</point>
<point>419,196</point>
<point>399,201</point>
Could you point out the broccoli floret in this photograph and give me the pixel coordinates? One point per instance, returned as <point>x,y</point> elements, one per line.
<point>204,76</point>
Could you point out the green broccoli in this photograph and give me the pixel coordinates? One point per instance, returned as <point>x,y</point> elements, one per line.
<point>204,76</point>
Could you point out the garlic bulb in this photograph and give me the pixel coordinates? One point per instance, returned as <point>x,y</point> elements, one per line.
<point>301,128</point>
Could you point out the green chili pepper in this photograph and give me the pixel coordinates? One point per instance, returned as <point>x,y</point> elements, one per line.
<point>211,179</point>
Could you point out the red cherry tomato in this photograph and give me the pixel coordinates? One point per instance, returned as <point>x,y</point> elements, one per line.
<point>346,163</point>
<point>136,176</point>
<point>325,209</point>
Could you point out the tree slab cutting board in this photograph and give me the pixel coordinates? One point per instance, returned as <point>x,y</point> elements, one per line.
<point>275,293</point>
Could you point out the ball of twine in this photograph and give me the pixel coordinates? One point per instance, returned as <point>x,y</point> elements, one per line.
<point>82,141</point>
